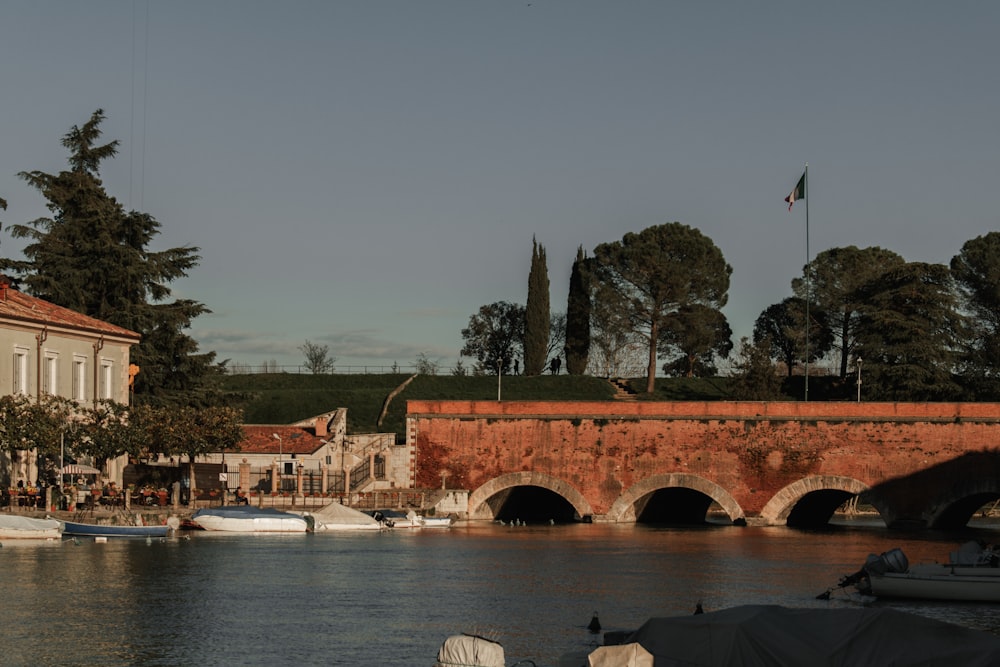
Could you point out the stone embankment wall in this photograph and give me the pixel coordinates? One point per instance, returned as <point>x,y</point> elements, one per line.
<point>746,453</point>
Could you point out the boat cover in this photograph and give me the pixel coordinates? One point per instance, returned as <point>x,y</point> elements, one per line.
<point>623,655</point>
<point>470,651</point>
<point>12,522</point>
<point>855,637</point>
<point>338,514</point>
<point>242,512</point>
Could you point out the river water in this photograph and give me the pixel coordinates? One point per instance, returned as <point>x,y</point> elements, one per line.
<point>391,598</point>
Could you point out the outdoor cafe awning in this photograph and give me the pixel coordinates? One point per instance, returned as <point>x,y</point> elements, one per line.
<point>76,469</point>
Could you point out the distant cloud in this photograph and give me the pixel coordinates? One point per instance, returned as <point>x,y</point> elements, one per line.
<point>358,347</point>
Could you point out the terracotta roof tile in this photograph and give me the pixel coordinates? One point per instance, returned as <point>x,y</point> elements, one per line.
<point>294,440</point>
<point>19,306</point>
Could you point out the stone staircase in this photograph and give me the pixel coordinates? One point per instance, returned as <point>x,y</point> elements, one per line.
<point>623,392</point>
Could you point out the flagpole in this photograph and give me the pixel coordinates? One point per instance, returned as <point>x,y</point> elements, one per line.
<point>805,179</point>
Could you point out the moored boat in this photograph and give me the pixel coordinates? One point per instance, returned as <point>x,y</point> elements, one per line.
<point>248,519</point>
<point>73,528</point>
<point>14,527</point>
<point>971,575</point>
<point>397,519</point>
<point>336,517</point>
<point>775,635</point>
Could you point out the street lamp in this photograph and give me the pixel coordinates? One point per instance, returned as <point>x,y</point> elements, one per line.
<point>278,438</point>
<point>859,379</point>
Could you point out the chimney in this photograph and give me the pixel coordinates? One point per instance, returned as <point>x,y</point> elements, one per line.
<point>320,427</point>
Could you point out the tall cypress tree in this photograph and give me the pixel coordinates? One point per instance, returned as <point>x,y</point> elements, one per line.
<point>92,256</point>
<point>536,312</point>
<point>578,317</point>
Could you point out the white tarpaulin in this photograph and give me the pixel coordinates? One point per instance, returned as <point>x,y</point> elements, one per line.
<point>623,655</point>
<point>470,651</point>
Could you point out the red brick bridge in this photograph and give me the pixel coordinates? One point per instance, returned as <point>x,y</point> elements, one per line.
<point>765,463</point>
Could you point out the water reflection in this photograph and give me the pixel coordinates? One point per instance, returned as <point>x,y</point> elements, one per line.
<point>391,598</point>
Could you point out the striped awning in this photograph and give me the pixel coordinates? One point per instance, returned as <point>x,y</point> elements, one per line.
<point>76,469</point>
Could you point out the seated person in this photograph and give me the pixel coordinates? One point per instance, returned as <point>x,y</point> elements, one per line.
<point>241,496</point>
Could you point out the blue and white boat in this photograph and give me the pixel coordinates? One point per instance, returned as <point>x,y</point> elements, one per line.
<point>247,519</point>
<point>72,528</point>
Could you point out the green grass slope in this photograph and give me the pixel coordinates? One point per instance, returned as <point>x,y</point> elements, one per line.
<point>282,398</point>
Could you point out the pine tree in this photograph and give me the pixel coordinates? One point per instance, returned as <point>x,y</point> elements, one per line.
<point>92,256</point>
<point>536,313</point>
<point>578,308</point>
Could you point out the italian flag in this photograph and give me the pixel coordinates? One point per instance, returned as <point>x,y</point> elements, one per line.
<point>799,192</point>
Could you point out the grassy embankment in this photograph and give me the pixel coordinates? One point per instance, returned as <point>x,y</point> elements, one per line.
<point>282,398</point>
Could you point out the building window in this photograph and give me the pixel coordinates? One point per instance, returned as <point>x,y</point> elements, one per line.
<point>104,384</point>
<point>50,374</point>
<point>20,370</point>
<point>79,379</point>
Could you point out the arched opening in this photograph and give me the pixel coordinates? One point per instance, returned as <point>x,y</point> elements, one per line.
<point>531,504</point>
<point>676,498</point>
<point>528,497</point>
<point>816,508</point>
<point>812,501</point>
<point>676,505</point>
<point>971,499</point>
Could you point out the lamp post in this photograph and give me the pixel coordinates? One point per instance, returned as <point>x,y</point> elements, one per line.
<point>859,379</point>
<point>499,375</point>
<point>278,438</point>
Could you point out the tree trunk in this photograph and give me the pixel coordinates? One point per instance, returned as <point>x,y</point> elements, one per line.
<point>651,368</point>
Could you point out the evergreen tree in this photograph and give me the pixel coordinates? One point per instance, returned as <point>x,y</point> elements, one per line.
<point>976,270</point>
<point>754,378</point>
<point>92,256</point>
<point>696,334</point>
<point>835,277</point>
<point>657,272</point>
<point>783,325</point>
<point>909,334</point>
<point>578,308</point>
<point>536,313</point>
<point>495,337</point>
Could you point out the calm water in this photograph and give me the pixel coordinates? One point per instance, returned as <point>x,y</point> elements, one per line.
<point>392,598</point>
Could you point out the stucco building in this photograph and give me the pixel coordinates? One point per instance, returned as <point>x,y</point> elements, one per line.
<point>53,350</point>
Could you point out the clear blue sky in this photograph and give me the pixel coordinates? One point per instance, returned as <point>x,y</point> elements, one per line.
<point>365,175</point>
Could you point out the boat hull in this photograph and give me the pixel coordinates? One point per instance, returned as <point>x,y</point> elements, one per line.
<point>939,582</point>
<point>249,520</point>
<point>100,530</point>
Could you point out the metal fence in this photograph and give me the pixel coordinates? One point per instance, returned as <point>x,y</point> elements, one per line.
<point>241,368</point>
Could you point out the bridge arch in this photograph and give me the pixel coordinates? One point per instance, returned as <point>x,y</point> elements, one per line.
<point>827,493</point>
<point>623,509</point>
<point>480,506</point>
<point>955,508</point>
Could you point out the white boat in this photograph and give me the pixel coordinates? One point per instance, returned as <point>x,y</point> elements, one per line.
<point>15,527</point>
<point>396,519</point>
<point>341,517</point>
<point>970,576</point>
<point>435,521</point>
<point>247,519</point>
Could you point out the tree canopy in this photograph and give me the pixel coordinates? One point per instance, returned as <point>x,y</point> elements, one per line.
<point>656,272</point>
<point>909,333</point>
<point>537,321</point>
<point>783,326</point>
<point>93,257</point>
<point>976,270</point>
<point>578,308</point>
<point>832,281</point>
<point>696,334</point>
<point>495,336</point>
